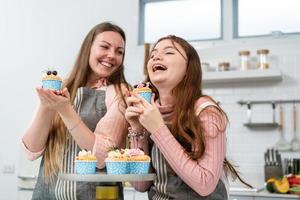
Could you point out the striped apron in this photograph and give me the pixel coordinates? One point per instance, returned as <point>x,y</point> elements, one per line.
<point>168,185</point>
<point>90,105</point>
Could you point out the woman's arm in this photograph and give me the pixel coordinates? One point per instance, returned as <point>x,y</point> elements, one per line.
<point>36,135</point>
<point>201,175</point>
<point>111,130</point>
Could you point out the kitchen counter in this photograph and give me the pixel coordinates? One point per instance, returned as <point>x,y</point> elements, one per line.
<point>259,194</point>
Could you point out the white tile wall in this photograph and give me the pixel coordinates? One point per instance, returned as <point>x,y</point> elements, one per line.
<point>245,146</point>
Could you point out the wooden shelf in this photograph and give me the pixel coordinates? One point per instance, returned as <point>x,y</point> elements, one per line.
<point>242,76</point>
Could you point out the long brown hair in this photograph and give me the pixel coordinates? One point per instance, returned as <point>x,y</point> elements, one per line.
<point>185,125</point>
<point>78,77</point>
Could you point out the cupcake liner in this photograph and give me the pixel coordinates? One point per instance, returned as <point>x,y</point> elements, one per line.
<point>52,84</point>
<point>139,167</point>
<point>117,167</point>
<point>85,167</point>
<point>146,95</point>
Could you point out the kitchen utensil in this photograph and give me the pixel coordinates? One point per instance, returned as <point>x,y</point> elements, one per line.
<point>295,142</point>
<point>278,158</point>
<point>288,166</point>
<point>273,112</point>
<point>282,144</point>
<point>249,112</point>
<point>273,167</point>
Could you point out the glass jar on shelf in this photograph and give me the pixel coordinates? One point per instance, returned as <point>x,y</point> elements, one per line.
<point>205,67</point>
<point>244,60</point>
<point>262,58</point>
<point>223,66</point>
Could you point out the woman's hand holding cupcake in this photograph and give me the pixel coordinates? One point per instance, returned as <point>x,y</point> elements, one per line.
<point>50,99</point>
<point>141,113</point>
<point>133,111</point>
<point>150,118</point>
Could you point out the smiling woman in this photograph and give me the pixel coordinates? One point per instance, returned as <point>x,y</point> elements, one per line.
<point>86,114</point>
<point>173,65</point>
<point>106,54</point>
<point>185,129</point>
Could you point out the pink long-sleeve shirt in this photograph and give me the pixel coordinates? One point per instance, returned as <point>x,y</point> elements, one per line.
<point>110,131</point>
<point>201,175</point>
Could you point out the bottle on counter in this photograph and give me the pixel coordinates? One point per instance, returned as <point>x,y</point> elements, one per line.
<point>262,58</point>
<point>223,66</point>
<point>244,59</point>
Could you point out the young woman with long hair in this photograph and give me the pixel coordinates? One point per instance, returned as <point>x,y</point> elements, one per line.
<point>183,129</point>
<point>88,113</point>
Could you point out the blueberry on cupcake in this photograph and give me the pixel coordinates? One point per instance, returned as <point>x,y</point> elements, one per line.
<point>51,80</point>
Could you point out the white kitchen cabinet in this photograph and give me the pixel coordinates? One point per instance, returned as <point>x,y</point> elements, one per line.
<point>24,194</point>
<point>277,198</point>
<point>261,195</point>
<point>131,194</point>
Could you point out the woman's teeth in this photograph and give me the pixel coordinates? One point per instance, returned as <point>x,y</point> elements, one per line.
<point>106,64</point>
<point>159,67</point>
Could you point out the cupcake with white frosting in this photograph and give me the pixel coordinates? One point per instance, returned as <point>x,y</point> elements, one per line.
<point>85,162</point>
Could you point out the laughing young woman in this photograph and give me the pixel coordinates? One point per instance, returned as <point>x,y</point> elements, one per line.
<point>182,129</point>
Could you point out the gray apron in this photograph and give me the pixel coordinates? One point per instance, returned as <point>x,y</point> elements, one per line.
<point>167,185</point>
<point>90,105</point>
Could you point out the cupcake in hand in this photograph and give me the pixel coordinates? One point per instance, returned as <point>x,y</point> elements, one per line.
<point>85,162</point>
<point>51,80</point>
<point>143,90</point>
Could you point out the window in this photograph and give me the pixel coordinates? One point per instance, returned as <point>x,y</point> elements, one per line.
<point>266,17</point>
<point>191,19</point>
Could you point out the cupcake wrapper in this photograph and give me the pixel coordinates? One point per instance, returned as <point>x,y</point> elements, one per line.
<point>52,84</point>
<point>117,167</point>
<point>146,95</point>
<point>139,167</point>
<point>84,167</point>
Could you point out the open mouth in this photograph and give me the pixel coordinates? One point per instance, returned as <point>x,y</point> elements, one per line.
<point>159,67</point>
<point>106,64</point>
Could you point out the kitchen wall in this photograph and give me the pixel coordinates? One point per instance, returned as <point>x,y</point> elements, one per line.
<point>246,147</point>
<point>40,34</point>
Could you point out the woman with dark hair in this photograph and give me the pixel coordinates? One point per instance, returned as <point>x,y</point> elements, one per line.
<point>182,129</point>
<point>88,113</point>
